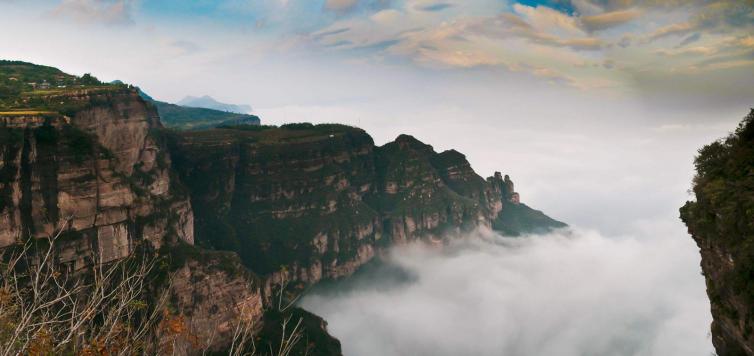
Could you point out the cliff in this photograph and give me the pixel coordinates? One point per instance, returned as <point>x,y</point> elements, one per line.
<point>266,206</point>
<point>721,221</point>
<point>302,202</point>
<point>84,160</point>
<point>97,173</point>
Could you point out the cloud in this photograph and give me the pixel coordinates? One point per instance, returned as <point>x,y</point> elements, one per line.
<point>609,19</point>
<point>552,35</point>
<point>747,41</point>
<point>539,25</point>
<point>386,17</point>
<point>712,16</point>
<point>544,26</point>
<point>185,47</point>
<point>725,13</point>
<point>690,39</point>
<point>436,7</point>
<point>625,41</point>
<point>731,60</point>
<point>567,293</point>
<point>112,12</point>
<point>330,33</point>
<point>553,76</point>
<point>673,29</point>
<point>340,5</point>
<point>545,19</point>
<point>698,51</point>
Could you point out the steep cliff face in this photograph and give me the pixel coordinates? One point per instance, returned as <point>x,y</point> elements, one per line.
<point>285,199</point>
<point>721,221</point>
<point>423,194</point>
<point>301,203</point>
<point>97,174</point>
<point>211,297</point>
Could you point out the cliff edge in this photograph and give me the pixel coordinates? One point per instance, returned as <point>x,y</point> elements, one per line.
<point>721,221</point>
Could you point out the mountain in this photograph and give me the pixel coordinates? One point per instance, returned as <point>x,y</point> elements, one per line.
<point>195,117</point>
<point>191,118</point>
<point>208,102</point>
<point>322,200</point>
<point>721,221</point>
<point>239,217</point>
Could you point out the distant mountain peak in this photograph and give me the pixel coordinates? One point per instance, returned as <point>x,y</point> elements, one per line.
<point>208,102</point>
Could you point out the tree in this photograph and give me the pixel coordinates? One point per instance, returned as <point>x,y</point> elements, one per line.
<point>106,309</point>
<point>46,308</point>
<point>88,79</point>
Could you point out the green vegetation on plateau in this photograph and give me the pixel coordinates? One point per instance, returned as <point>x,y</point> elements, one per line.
<point>30,89</point>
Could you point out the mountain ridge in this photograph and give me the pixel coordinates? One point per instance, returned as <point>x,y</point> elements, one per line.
<point>298,203</point>
<point>208,102</point>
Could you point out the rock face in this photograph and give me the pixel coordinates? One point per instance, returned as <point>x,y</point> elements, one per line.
<point>721,221</point>
<point>211,294</point>
<point>98,174</point>
<point>301,203</point>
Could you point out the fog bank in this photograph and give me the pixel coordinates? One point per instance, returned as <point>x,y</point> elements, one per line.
<point>571,292</point>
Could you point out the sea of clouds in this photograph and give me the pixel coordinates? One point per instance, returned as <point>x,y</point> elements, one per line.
<point>571,292</point>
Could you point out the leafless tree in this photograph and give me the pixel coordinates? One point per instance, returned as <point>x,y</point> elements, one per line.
<point>243,341</point>
<point>46,308</point>
<point>102,309</point>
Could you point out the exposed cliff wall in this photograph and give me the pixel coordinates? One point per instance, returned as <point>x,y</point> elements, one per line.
<point>301,202</point>
<point>210,297</point>
<point>98,174</point>
<point>721,221</point>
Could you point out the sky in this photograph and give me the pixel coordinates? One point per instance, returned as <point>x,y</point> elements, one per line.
<point>595,108</point>
<point>579,101</point>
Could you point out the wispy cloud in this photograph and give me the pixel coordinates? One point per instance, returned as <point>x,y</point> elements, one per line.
<point>672,29</point>
<point>609,19</point>
<point>436,7</point>
<point>690,39</point>
<point>112,12</point>
<point>340,5</point>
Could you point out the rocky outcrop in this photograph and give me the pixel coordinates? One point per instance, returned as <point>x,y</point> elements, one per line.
<point>721,221</point>
<point>100,177</point>
<point>301,203</point>
<point>313,330</point>
<point>212,296</point>
<point>97,174</point>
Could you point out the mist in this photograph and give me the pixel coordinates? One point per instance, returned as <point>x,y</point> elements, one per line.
<point>570,292</point>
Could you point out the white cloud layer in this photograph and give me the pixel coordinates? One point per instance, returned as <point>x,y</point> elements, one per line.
<point>568,294</point>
